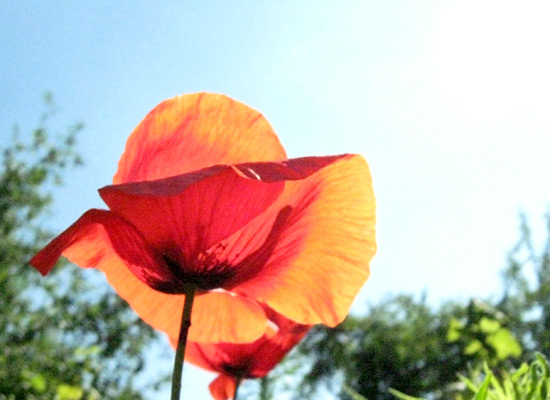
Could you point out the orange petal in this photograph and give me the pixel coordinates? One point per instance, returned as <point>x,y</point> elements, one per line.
<point>312,269</point>
<point>216,316</point>
<point>99,237</point>
<point>183,216</point>
<point>226,317</point>
<point>223,387</point>
<point>194,131</point>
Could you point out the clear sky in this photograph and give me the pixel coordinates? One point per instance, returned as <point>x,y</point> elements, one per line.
<point>449,101</point>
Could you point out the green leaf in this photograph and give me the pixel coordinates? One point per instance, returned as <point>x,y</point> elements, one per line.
<point>522,370</point>
<point>454,332</point>
<point>487,325</point>
<point>352,393</point>
<point>473,347</point>
<point>468,382</point>
<point>504,344</point>
<point>543,363</point>
<point>484,388</point>
<point>38,383</point>
<point>402,396</point>
<point>67,392</point>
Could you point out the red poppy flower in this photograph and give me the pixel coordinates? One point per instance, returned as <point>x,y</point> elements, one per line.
<point>205,199</point>
<point>235,362</point>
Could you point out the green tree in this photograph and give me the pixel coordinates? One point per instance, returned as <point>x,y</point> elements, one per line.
<point>401,343</point>
<point>526,298</point>
<point>483,333</point>
<point>61,337</point>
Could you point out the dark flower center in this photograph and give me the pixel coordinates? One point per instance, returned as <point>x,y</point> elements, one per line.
<point>211,270</point>
<point>238,371</point>
<point>208,273</point>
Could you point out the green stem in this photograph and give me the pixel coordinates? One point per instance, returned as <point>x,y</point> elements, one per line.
<point>264,388</point>
<point>237,388</point>
<point>182,341</point>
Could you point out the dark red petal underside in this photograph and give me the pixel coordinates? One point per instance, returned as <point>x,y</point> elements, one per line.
<point>100,236</point>
<point>185,215</point>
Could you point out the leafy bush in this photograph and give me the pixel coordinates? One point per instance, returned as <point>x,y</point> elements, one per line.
<point>529,381</point>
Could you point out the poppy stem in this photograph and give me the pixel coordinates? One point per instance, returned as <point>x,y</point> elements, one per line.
<point>237,388</point>
<point>264,390</point>
<point>182,342</point>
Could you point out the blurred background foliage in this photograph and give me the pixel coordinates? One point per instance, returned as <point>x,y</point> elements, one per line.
<point>62,337</point>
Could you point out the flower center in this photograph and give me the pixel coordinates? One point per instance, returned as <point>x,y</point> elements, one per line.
<point>205,273</point>
<point>238,371</point>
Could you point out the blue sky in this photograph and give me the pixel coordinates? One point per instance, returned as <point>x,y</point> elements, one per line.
<point>447,100</point>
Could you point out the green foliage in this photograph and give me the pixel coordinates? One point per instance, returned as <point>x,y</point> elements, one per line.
<point>352,393</point>
<point>61,337</point>
<point>483,333</point>
<point>401,343</point>
<point>529,381</point>
<point>526,298</point>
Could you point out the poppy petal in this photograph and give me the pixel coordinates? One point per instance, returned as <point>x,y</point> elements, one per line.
<point>223,357</point>
<point>194,131</point>
<point>100,236</point>
<point>185,215</point>
<point>249,360</point>
<point>103,240</point>
<point>230,252</point>
<point>223,387</point>
<point>213,317</point>
<point>308,255</point>
<point>201,355</point>
<point>274,349</point>
<point>226,317</point>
